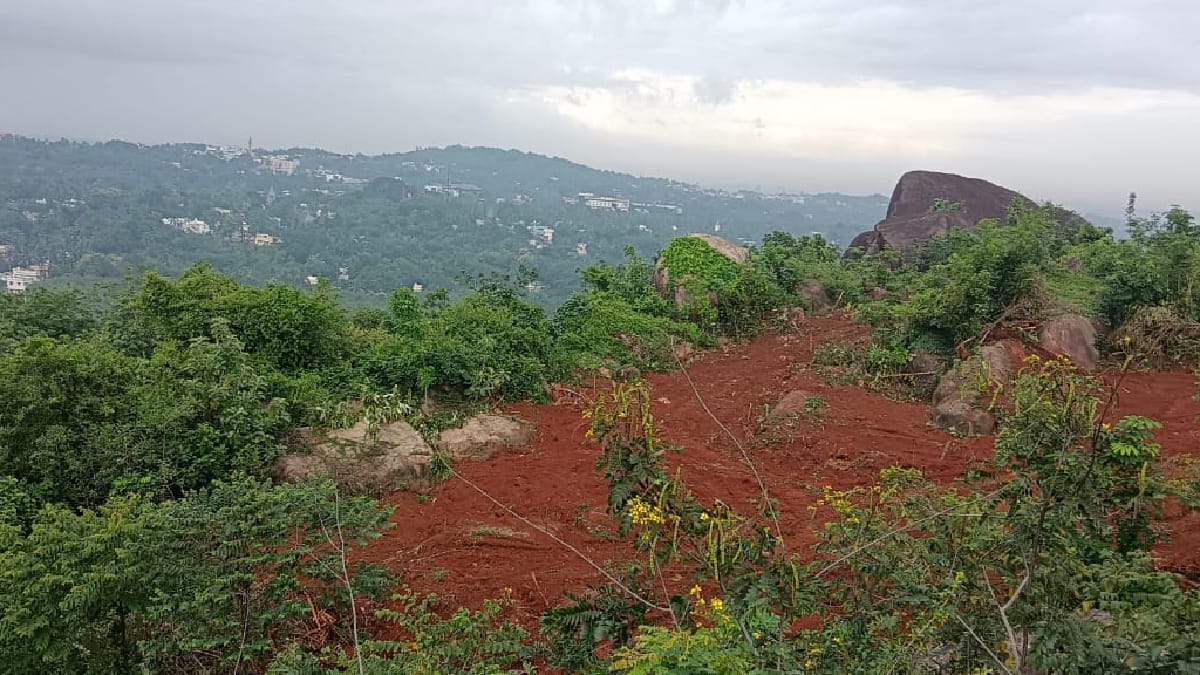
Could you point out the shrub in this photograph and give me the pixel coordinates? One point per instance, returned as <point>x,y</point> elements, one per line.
<point>217,581</point>
<point>791,262</point>
<point>980,278</point>
<point>283,326</point>
<point>600,329</point>
<point>490,343</point>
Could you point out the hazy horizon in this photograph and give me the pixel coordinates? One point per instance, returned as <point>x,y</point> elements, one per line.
<point>1076,102</point>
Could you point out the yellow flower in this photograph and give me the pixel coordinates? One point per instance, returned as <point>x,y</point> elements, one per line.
<point>704,516</point>
<point>696,590</point>
<point>718,605</point>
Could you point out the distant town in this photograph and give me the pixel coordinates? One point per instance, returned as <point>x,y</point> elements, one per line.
<point>279,201</point>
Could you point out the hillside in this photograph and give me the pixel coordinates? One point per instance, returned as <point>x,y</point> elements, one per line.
<point>368,224</point>
<point>781,460</point>
<point>553,483</point>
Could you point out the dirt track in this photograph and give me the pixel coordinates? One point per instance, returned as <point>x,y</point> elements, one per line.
<point>459,544</point>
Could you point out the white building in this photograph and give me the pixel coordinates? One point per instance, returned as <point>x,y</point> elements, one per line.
<point>281,164</point>
<point>20,278</point>
<point>189,225</point>
<point>599,203</point>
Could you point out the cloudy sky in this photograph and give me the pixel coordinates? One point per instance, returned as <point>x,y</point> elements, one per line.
<point>1080,101</point>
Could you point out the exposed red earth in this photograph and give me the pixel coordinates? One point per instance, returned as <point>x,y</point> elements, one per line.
<point>459,544</point>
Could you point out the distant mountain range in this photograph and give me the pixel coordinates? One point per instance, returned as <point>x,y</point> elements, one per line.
<point>367,223</point>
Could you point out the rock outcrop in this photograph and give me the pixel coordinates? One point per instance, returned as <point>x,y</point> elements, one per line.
<point>397,457</point>
<point>958,402</point>
<point>1073,336</point>
<point>928,203</point>
<point>818,298</point>
<point>482,436</point>
<point>673,292</point>
<point>738,254</point>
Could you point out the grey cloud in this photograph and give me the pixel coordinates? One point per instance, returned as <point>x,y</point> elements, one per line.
<point>381,75</point>
<point>1015,45</point>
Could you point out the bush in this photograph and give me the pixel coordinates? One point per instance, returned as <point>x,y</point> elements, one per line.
<point>1157,337</point>
<point>986,272</point>
<point>490,343</point>
<point>285,327</point>
<point>217,581</point>
<point>791,262</point>
<point>81,418</point>
<point>597,329</point>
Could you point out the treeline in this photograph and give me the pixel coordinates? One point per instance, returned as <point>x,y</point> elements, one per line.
<point>139,530</point>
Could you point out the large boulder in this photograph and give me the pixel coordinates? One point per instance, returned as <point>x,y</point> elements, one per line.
<point>393,458</point>
<point>924,362</point>
<point>959,403</point>
<point>818,298</point>
<point>1073,336</point>
<point>484,435</point>
<point>739,255</point>
<point>926,204</point>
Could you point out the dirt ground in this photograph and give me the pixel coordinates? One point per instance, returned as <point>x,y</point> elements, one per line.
<point>457,543</point>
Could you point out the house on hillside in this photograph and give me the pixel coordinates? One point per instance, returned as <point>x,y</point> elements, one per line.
<point>453,189</point>
<point>280,164</point>
<point>601,203</point>
<point>188,225</point>
<point>21,278</point>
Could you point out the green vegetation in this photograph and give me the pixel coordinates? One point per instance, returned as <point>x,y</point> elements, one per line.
<point>692,258</point>
<point>139,531</point>
<point>95,211</point>
<point>1030,267</point>
<point>943,205</point>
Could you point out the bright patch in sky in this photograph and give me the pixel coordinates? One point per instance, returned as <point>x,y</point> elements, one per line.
<point>853,121</point>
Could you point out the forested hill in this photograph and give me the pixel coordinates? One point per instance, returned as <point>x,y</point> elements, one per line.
<point>368,224</point>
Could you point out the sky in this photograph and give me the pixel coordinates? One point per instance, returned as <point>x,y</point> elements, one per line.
<point>1077,101</point>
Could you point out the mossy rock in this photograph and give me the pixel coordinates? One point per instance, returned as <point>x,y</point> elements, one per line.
<point>699,262</point>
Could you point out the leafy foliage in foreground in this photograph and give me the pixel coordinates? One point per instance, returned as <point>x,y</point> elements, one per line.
<point>1046,571</point>
<point>221,578</point>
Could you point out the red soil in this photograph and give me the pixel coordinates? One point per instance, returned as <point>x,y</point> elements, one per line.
<point>457,543</point>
